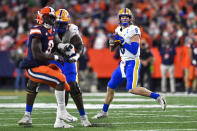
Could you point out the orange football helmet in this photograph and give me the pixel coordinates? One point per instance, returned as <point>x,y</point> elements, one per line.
<point>46,16</point>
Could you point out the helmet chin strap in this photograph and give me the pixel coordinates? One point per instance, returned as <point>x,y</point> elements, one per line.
<point>47,26</point>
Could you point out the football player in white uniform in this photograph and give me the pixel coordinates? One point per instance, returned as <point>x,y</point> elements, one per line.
<point>70,45</point>
<point>128,36</point>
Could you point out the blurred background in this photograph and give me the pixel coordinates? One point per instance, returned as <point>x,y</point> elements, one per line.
<point>168,26</point>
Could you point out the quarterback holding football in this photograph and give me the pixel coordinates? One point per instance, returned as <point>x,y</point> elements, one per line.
<point>127,35</point>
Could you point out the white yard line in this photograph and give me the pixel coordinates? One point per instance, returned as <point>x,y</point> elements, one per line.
<point>182,94</point>
<point>94,106</point>
<point>111,117</point>
<point>8,97</point>
<point>164,130</point>
<point>121,123</point>
<point>120,99</point>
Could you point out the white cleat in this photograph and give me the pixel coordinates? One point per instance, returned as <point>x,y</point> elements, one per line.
<point>71,118</point>
<point>61,124</point>
<point>25,121</point>
<point>100,115</point>
<point>62,115</point>
<point>162,101</point>
<point>85,122</point>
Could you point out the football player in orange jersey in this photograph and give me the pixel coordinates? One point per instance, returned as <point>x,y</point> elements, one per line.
<point>40,70</point>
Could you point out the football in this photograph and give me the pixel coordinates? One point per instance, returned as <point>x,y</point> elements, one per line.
<point>113,45</point>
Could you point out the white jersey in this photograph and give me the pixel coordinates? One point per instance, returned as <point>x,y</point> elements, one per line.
<point>127,33</point>
<point>70,32</point>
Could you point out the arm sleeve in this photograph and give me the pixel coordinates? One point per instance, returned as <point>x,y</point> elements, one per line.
<point>132,47</point>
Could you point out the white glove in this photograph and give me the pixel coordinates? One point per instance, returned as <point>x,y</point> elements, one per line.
<point>58,58</point>
<point>74,58</point>
<point>66,49</point>
<point>62,45</point>
<point>194,62</point>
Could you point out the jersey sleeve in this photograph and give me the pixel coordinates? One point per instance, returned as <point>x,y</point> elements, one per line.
<point>134,30</point>
<point>35,32</point>
<point>73,30</point>
<point>117,29</point>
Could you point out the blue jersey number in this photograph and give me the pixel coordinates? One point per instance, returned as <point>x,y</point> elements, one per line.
<point>122,50</point>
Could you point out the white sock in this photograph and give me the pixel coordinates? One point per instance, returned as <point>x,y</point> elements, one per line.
<point>60,97</point>
<point>84,117</point>
<point>27,113</point>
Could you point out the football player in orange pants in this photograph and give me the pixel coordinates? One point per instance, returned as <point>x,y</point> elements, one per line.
<point>39,70</point>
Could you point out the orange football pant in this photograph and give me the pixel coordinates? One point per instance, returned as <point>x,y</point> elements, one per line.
<point>50,75</point>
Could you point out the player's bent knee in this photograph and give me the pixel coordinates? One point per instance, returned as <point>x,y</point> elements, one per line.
<point>32,87</point>
<point>110,91</point>
<point>74,89</point>
<point>60,86</point>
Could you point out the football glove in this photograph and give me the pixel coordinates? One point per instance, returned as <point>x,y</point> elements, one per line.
<point>74,58</point>
<point>118,39</point>
<point>66,49</point>
<point>59,58</point>
<point>194,62</point>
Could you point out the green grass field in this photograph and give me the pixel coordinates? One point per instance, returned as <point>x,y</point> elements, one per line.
<point>126,113</point>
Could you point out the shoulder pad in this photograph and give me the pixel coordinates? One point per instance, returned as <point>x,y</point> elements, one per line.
<point>73,27</point>
<point>35,30</point>
<point>134,30</point>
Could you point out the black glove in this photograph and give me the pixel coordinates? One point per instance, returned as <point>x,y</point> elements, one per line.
<point>68,47</point>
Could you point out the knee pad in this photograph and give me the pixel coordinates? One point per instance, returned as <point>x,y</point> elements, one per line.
<point>32,87</point>
<point>74,89</point>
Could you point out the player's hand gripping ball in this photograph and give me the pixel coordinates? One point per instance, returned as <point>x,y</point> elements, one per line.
<point>113,43</point>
